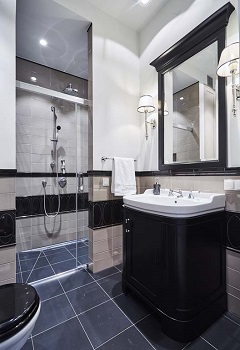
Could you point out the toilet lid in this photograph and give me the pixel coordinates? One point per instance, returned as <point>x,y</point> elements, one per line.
<point>18,303</point>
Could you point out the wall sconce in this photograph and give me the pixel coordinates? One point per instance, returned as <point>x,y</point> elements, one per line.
<point>146,106</point>
<point>228,66</point>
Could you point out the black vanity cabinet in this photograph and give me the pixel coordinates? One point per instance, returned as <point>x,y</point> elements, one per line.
<point>178,267</point>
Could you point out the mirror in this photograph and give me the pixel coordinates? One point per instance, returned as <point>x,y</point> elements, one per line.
<point>191,113</point>
<point>192,107</point>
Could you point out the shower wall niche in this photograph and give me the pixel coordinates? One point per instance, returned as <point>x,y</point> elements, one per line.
<point>35,154</point>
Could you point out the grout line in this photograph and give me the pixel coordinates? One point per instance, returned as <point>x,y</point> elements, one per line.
<point>48,329</point>
<point>77,317</point>
<point>131,326</point>
<point>233,296</point>
<point>112,299</point>
<point>208,342</point>
<point>233,287</point>
<point>186,346</point>
<point>33,267</point>
<point>32,342</point>
<point>231,320</point>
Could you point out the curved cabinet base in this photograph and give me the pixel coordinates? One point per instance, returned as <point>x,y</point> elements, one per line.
<point>177,266</point>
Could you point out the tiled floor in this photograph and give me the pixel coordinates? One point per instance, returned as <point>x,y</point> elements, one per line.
<point>34,265</point>
<point>85,311</point>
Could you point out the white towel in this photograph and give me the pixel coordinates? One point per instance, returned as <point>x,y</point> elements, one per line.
<point>123,177</point>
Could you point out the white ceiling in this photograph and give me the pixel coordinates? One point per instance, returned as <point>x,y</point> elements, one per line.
<point>130,12</point>
<point>66,32</point>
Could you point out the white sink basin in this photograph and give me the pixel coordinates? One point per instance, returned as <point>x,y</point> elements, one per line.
<point>202,203</point>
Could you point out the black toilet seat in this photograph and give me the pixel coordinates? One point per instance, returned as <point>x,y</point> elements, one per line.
<point>18,304</point>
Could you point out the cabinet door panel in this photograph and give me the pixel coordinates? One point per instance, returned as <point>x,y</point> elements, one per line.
<point>143,242</point>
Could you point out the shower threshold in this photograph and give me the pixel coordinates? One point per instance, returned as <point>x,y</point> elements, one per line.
<point>38,264</point>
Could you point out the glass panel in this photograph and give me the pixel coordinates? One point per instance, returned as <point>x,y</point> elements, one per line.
<point>45,186</point>
<point>82,184</point>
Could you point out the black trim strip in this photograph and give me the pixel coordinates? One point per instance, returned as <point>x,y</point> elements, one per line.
<point>21,174</point>
<point>193,172</point>
<point>8,172</point>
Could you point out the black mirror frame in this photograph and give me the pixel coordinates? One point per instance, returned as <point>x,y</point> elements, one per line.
<point>213,29</point>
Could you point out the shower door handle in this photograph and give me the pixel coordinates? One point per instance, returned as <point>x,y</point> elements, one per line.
<point>80,182</point>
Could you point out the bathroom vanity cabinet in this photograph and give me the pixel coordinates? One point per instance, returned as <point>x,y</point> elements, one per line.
<point>177,266</point>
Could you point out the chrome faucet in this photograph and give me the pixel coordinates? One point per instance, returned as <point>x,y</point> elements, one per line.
<point>179,192</point>
<point>190,195</point>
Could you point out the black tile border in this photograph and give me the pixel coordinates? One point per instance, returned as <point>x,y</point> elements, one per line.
<point>38,174</point>
<point>8,172</point>
<point>34,205</point>
<point>105,213</point>
<point>7,228</point>
<point>195,172</point>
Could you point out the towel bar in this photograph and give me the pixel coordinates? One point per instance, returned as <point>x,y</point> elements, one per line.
<point>105,158</point>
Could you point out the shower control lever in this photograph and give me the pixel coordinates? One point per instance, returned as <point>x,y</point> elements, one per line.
<point>63,167</point>
<point>80,182</point>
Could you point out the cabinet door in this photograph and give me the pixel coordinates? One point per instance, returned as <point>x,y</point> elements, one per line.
<point>142,237</point>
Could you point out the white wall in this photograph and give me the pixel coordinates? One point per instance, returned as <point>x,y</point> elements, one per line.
<point>116,121</point>
<point>168,26</point>
<point>7,85</point>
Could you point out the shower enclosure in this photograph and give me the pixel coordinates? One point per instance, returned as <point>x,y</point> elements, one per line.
<point>51,182</point>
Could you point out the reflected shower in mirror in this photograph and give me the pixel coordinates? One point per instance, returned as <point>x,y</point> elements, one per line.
<point>191,127</point>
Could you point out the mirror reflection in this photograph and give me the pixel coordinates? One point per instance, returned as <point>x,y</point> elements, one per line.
<point>191,115</point>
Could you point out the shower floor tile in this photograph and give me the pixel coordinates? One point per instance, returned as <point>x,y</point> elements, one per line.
<point>64,266</point>
<point>37,274</point>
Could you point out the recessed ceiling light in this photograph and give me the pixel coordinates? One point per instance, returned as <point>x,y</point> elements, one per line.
<point>144,2</point>
<point>43,42</point>
<point>181,98</point>
<point>34,79</point>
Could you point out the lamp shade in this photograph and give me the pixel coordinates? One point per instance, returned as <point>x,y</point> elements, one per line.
<point>146,104</point>
<point>229,61</point>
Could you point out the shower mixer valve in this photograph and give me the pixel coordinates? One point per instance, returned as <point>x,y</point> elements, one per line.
<point>63,167</point>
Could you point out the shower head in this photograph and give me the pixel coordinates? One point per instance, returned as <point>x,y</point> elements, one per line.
<point>70,91</point>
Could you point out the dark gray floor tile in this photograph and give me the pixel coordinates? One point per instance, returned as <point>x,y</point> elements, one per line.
<point>223,334</point>
<point>57,250</point>
<point>48,289</point>
<point>66,336</point>
<point>29,255</point>
<point>82,251</point>
<point>112,284</point>
<point>86,297</point>
<point>53,312</point>
<point>83,259</point>
<point>37,274</point>
<point>41,262</point>
<point>28,345</point>
<point>134,308</point>
<point>75,279</point>
<point>199,344</point>
<point>28,265</point>
<point>59,257</point>
<point>19,278</point>
<point>130,339</point>
<point>150,327</point>
<point>103,322</point>
<point>104,273</point>
<point>64,266</point>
